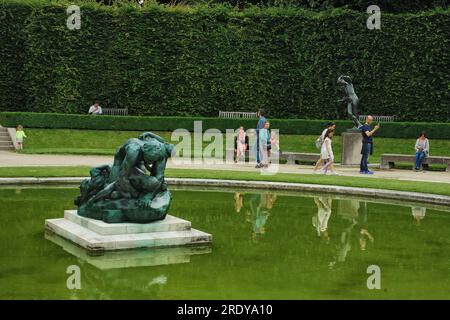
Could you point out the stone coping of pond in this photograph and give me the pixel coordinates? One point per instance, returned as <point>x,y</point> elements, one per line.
<point>366,192</point>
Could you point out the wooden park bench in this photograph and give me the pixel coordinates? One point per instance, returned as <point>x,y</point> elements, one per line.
<point>388,160</point>
<point>115,111</point>
<point>237,115</point>
<point>291,157</point>
<point>362,118</point>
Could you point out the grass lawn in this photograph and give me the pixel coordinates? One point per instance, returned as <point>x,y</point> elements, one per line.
<point>67,141</point>
<point>376,183</point>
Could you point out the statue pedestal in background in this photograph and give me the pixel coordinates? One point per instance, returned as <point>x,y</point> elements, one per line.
<point>351,148</point>
<point>98,236</point>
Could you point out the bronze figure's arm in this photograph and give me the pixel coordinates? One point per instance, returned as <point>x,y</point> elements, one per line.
<point>145,135</point>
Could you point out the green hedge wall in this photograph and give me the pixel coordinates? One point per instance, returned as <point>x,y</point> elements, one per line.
<point>394,6</point>
<point>178,61</point>
<point>286,126</point>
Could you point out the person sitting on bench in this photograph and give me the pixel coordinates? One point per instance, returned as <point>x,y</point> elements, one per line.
<point>422,150</point>
<point>95,108</point>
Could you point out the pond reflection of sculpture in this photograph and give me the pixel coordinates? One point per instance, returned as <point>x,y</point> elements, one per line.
<point>107,276</point>
<point>125,192</point>
<point>97,284</point>
<point>320,220</point>
<point>130,258</point>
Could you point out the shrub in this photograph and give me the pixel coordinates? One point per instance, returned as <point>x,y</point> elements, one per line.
<point>287,126</point>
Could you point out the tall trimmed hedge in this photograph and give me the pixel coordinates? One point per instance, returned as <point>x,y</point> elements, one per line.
<point>393,6</point>
<point>164,123</point>
<point>196,61</point>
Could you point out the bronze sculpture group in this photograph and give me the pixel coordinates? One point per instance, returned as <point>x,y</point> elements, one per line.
<point>133,188</point>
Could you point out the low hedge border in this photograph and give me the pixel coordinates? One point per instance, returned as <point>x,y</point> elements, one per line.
<point>136,123</point>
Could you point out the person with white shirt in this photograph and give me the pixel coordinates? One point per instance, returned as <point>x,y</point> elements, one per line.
<point>319,142</point>
<point>95,108</point>
<point>327,153</point>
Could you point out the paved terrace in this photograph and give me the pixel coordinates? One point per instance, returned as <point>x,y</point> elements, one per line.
<point>13,159</point>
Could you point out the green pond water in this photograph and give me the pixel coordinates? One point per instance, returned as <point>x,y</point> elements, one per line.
<point>266,245</point>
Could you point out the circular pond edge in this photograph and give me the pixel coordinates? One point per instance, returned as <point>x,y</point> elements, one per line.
<point>366,192</point>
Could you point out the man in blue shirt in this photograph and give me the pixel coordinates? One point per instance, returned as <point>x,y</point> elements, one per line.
<point>367,144</point>
<point>262,121</point>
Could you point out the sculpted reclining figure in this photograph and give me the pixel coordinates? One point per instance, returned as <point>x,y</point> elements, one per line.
<point>133,188</point>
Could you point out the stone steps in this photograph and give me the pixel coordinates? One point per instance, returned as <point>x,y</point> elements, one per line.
<point>6,145</point>
<point>95,235</point>
<point>5,140</point>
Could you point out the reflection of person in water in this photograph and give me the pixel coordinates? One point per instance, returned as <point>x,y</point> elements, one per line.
<point>355,212</point>
<point>345,246</point>
<point>418,214</point>
<point>238,201</point>
<point>260,206</point>
<point>320,221</point>
<point>364,234</point>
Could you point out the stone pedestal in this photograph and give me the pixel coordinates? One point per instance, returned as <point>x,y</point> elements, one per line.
<point>95,235</point>
<point>351,148</point>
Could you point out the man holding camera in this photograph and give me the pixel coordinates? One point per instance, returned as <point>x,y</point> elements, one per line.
<point>367,144</point>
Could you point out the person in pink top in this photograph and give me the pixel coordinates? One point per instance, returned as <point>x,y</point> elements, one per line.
<point>241,146</point>
<point>274,143</point>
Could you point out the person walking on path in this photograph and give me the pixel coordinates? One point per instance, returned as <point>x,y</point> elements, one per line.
<point>241,144</point>
<point>264,145</point>
<point>274,144</point>
<point>327,153</point>
<point>422,150</point>
<point>261,122</point>
<point>319,142</point>
<point>367,144</point>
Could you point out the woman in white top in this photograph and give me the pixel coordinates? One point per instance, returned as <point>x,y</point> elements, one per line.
<point>327,153</point>
<point>319,142</point>
<point>422,149</point>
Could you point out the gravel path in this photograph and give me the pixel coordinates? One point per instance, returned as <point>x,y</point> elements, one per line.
<point>13,159</point>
